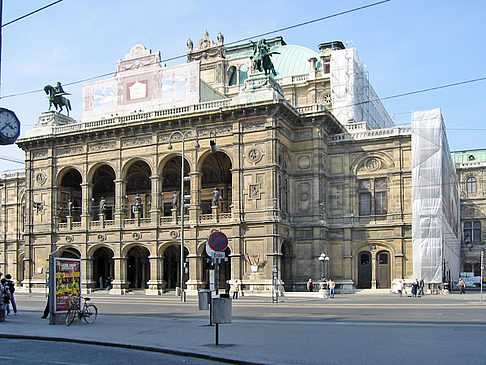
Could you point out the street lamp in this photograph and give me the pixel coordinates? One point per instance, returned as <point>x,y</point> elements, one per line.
<point>323,258</point>
<point>182,197</point>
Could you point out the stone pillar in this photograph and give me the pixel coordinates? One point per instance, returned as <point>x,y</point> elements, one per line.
<point>194,208</point>
<point>86,274</point>
<point>85,205</point>
<point>119,203</point>
<point>174,214</point>
<point>215,212</point>
<point>119,280</point>
<point>194,280</point>
<point>155,208</point>
<point>156,285</point>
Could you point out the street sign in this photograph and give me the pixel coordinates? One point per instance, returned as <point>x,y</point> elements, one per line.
<point>218,241</point>
<point>217,255</point>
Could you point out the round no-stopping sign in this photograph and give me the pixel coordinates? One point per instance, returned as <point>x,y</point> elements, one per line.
<point>218,241</point>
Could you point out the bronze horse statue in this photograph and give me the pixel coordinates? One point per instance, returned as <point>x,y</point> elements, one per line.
<point>262,57</point>
<point>57,99</point>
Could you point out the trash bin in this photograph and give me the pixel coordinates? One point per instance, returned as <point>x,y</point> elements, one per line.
<point>203,297</point>
<point>221,310</point>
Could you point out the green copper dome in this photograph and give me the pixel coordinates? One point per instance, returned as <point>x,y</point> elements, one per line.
<point>293,60</point>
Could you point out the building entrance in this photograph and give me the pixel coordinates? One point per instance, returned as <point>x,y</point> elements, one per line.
<point>364,270</point>
<point>382,270</point>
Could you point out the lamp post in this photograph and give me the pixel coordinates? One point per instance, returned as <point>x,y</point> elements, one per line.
<point>482,275</point>
<point>182,198</point>
<point>323,258</point>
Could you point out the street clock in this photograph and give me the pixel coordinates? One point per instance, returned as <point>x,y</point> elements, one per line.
<point>9,127</point>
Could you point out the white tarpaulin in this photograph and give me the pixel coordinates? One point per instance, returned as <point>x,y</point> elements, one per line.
<point>435,199</point>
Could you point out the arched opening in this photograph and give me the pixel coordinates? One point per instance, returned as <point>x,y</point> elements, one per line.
<point>70,253</point>
<point>138,267</point>
<point>104,191</point>
<point>232,76</point>
<point>216,175</point>
<point>171,178</point>
<point>243,71</point>
<point>364,270</point>
<point>70,196</point>
<point>102,267</point>
<point>383,270</point>
<point>138,189</point>
<point>286,265</point>
<point>172,266</point>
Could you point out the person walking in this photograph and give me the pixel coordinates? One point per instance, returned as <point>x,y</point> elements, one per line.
<point>234,289</point>
<point>462,286</point>
<point>331,285</point>
<point>11,288</point>
<point>415,285</point>
<point>310,285</point>
<point>399,288</point>
<point>5,296</point>
<point>421,287</point>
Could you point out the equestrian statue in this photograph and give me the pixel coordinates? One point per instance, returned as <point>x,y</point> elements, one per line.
<point>261,57</point>
<point>56,97</point>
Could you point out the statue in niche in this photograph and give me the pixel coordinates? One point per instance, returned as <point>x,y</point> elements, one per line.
<point>175,200</point>
<point>216,196</point>
<point>102,205</point>
<point>70,207</point>
<point>138,203</point>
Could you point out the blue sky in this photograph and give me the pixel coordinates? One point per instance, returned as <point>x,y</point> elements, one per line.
<point>406,45</point>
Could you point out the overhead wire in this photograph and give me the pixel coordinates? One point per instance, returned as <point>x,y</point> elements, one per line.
<point>232,42</point>
<point>31,13</point>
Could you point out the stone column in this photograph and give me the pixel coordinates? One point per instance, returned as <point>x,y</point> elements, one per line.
<point>86,274</point>
<point>155,208</point>
<point>119,280</point>
<point>156,285</point>
<point>194,209</point>
<point>119,206</point>
<point>194,280</point>
<point>85,205</point>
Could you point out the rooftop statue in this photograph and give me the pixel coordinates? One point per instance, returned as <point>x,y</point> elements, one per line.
<point>56,97</point>
<point>261,57</point>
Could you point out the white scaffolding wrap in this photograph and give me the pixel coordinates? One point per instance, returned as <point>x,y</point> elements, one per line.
<point>353,97</point>
<point>435,197</point>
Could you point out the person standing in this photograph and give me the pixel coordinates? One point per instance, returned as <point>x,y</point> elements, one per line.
<point>11,287</point>
<point>399,288</point>
<point>462,286</point>
<point>415,285</point>
<point>332,286</point>
<point>235,288</point>
<point>310,285</point>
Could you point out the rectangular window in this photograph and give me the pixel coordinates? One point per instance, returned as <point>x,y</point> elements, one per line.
<point>326,64</point>
<point>472,232</point>
<point>364,203</point>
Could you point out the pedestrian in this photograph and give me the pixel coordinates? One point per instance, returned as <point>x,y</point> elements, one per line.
<point>46,309</point>
<point>310,285</point>
<point>415,285</point>
<point>421,286</point>
<point>5,295</point>
<point>399,288</point>
<point>462,286</point>
<point>331,285</point>
<point>235,288</point>
<point>11,287</point>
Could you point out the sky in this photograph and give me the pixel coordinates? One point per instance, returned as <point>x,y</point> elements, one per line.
<point>406,46</point>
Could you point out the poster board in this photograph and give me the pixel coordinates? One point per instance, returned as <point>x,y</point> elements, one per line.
<point>67,274</point>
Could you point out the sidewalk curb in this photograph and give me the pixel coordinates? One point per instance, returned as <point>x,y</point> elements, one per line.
<point>131,347</point>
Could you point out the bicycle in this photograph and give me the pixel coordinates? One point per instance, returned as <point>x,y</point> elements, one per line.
<point>88,312</point>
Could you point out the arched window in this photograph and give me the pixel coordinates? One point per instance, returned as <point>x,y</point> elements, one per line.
<point>243,73</point>
<point>471,185</point>
<point>232,76</point>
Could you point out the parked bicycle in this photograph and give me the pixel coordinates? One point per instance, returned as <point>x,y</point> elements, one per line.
<point>88,312</point>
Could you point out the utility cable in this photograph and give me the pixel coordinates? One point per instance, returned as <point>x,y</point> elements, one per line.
<point>233,42</point>
<point>31,13</point>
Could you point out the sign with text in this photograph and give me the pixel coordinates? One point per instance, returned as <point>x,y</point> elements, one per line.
<point>67,281</point>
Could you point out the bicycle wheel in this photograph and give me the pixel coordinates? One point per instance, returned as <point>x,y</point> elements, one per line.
<point>90,313</point>
<point>71,314</point>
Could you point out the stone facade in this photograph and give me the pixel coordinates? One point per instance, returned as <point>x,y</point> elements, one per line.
<point>294,182</point>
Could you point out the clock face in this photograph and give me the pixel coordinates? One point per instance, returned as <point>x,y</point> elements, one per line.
<point>9,125</point>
